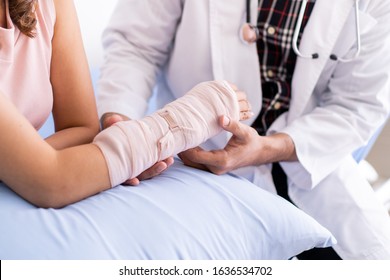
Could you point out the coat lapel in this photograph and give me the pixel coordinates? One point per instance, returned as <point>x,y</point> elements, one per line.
<point>215,39</point>
<point>226,18</point>
<point>322,30</point>
<point>233,60</point>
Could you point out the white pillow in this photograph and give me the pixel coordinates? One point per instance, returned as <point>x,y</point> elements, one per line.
<point>182,214</point>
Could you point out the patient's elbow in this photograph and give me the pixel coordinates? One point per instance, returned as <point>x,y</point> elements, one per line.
<point>50,191</point>
<point>50,202</point>
<point>50,197</point>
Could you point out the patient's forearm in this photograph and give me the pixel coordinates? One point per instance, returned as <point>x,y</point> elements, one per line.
<point>73,136</point>
<point>54,178</point>
<point>39,173</point>
<point>182,124</point>
<point>50,178</point>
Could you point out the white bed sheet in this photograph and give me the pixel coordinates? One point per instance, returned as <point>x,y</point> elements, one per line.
<point>183,214</point>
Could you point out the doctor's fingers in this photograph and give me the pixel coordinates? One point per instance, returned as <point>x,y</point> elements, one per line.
<point>187,159</point>
<point>151,172</point>
<point>216,161</point>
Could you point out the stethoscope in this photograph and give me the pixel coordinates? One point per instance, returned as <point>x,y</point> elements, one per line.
<point>249,33</point>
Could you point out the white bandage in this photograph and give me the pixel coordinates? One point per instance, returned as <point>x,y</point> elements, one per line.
<point>130,147</point>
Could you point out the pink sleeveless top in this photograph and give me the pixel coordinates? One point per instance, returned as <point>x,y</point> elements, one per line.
<point>25,65</point>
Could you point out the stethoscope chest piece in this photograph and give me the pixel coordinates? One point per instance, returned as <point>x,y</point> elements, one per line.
<point>249,34</point>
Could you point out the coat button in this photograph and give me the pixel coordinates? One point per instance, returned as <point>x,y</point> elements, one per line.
<point>270,73</point>
<point>277,105</point>
<point>271,30</point>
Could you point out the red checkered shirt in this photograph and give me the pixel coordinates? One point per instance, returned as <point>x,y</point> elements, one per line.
<point>276,22</point>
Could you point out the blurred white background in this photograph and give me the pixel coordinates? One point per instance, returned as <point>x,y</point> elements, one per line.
<point>93,17</point>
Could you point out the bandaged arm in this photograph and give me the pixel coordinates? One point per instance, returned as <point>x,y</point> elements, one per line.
<point>131,147</point>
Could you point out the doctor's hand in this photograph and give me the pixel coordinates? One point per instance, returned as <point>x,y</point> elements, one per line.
<point>244,148</point>
<point>109,119</point>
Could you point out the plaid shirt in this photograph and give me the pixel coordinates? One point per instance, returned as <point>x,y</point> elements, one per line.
<point>276,22</point>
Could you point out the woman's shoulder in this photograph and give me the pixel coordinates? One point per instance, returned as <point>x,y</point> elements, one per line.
<point>46,14</point>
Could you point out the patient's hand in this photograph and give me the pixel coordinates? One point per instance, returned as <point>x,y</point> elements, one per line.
<point>244,105</point>
<point>109,119</point>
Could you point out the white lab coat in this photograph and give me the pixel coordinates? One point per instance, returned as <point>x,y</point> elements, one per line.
<point>335,106</point>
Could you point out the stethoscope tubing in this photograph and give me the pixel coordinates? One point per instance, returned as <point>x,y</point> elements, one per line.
<point>298,28</point>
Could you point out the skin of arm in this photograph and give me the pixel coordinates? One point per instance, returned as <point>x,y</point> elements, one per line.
<point>42,175</point>
<point>74,109</point>
<point>47,173</point>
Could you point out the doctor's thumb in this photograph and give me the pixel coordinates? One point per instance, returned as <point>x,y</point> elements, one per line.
<point>231,125</point>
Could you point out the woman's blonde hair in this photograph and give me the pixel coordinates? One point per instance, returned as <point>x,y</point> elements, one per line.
<point>22,13</point>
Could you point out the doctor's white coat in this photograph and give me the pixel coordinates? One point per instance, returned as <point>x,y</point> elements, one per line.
<point>172,45</point>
